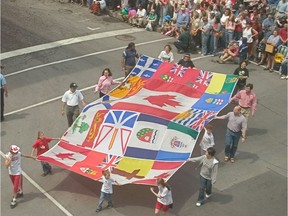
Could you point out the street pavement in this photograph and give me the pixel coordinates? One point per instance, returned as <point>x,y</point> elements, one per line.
<point>256,185</point>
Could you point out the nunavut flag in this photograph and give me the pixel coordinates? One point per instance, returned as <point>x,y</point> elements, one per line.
<point>147,127</point>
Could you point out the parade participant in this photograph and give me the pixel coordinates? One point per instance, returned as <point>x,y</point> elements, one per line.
<point>208,174</point>
<point>247,101</point>
<point>243,74</point>
<point>186,61</point>
<point>207,139</point>
<point>106,190</point>
<point>13,164</point>
<point>164,197</point>
<point>4,91</point>
<point>105,82</point>
<point>71,100</point>
<point>236,127</point>
<point>129,58</point>
<point>166,55</point>
<point>41,145</point>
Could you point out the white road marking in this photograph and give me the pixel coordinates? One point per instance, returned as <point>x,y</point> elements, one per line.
<point>93,29</point>
<point>59,97</point>
<point>67,42</point>
<point>65,211</point>
<point>84,20</point>
<point>83,56</point>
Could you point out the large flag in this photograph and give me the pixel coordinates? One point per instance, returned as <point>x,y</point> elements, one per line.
<point>147,127</point>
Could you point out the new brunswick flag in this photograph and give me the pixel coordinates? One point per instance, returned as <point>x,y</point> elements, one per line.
<point>147,127</point>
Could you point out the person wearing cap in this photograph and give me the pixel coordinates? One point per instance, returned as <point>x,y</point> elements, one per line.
<point>71,99</point>
<point>4,92</point>
<point>186,61</point>
<point>13,164</point>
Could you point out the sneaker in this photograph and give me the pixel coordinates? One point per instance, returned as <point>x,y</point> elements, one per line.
<point>109,206</point>
<point>13,203</point>
<point>19,195</point>
<point>198,204</point>
<point>98,210</point>
<point>208,196</point>
<point>283,77</point>
<point>286,77</point>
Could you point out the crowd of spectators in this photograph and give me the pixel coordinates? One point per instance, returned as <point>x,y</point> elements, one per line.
<point>243,29</point>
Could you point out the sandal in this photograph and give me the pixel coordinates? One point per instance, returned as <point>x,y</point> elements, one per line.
<point>271,70</point>
<point>232,160</point>
<point>226,158</point>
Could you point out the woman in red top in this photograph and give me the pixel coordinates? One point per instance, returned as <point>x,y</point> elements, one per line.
<point>41,145</point>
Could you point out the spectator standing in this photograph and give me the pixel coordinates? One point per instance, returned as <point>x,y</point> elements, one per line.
<point>41,145</point>
<point>163,11</point>
<point>207,139</point>
<point>4,92</point>
<point>249,33</point>
<point>182,18</point>
<point>283,34</point>
<point>243,50</point>
<point>129,58</point>
<point>247,101</point>
<point>105,82</point>
<point>268,26</point>
<point>243,74</point>
<point>216,35</point>
<point>13,164</point>
<point>70,100</point>
<point>208,174</point>
<point>282,8</point>
<point>186,61</point>
<point>273,40</point>
<point>237,126</point>
<point>106,190</point>
<point>205,35</point>
<point>166,55</point>
<point>229,29</point>
<point>164,197</point>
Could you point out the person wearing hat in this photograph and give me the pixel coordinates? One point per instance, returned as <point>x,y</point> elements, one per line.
<point>13,164</point>
<point>4,91</point>
<point>186,61</point>
<point>71,100</point>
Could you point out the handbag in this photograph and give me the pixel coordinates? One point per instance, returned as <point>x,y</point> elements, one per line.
<point>269,48</point>
<point>219,34</point>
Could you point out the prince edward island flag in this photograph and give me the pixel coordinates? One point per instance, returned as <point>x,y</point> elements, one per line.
<point>147,127</point>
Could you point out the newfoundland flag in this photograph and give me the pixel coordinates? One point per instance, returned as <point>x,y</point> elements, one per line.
<point>146,127</point>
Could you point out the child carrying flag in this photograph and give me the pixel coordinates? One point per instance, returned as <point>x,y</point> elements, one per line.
<point>106,190</point>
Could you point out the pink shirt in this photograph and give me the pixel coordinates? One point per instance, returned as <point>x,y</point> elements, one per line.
<point>246,100</point>
<point>104,84</point>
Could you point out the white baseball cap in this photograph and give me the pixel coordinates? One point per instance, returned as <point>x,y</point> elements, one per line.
<point>14,148</point>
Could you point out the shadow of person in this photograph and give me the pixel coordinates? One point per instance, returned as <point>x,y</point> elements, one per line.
<point>15,116</point>
<point>256,131</point>
<point>30,196</point>
<point>220,198</point>
<point>241,155</point>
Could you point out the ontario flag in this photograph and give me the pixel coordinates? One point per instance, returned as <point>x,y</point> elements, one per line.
<point>147,127</point>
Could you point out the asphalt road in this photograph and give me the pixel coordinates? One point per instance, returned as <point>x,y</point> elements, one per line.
<point>256,185</point>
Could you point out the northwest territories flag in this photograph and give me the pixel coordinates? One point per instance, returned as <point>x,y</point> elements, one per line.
<point>147,127</point>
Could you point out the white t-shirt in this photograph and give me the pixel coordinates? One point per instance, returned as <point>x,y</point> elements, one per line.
<point>72,98</point>
<point>166,196</point>
<point>141,13</point>
<point>166,57</point>
<point>207,141</point>
<point>107,186</point>
<point>15,166</point>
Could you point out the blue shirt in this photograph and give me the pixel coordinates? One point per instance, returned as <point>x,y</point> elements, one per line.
<point>130,57</point>
<point>2,80</point>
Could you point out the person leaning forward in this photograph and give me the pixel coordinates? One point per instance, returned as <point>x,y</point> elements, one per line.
<point>71,100</point>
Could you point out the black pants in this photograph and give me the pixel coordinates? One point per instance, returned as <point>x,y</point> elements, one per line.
<point>181,46</point>
<point>2,103</point>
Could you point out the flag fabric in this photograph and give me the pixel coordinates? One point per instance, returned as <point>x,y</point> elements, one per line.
<point>147,127</point>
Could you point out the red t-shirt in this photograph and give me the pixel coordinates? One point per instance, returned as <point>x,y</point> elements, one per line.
<point>283,33</point>
<point>42,145</point>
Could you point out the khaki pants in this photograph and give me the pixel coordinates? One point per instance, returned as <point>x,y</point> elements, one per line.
<point>245,112</point>
<point>72,112</point>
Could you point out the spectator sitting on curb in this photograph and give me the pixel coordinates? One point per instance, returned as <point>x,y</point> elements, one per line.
<point>150,21</point>
<point>229,53</point>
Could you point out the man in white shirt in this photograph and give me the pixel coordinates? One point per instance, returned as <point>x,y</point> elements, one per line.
<point>71,100</point>
<point>141,14</point>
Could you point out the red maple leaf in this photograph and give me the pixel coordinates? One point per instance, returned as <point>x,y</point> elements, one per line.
<point>65,155</point>
<point>163,100</point>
